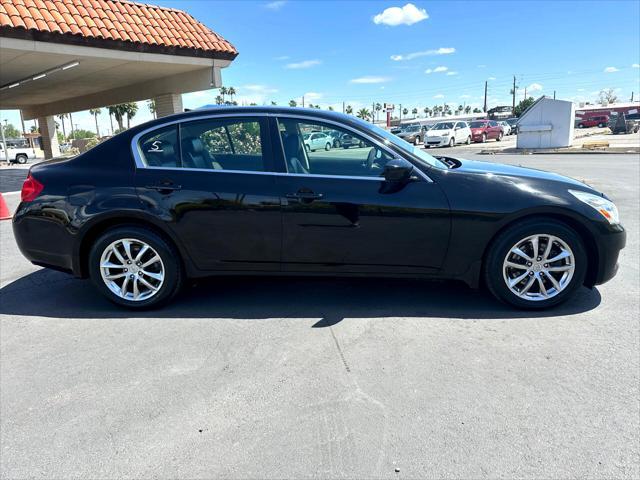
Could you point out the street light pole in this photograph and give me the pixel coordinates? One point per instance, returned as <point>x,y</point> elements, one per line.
<point>4,142</point>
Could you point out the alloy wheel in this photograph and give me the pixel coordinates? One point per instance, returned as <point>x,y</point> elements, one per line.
<point>538,267</point>
<point>132,269</point>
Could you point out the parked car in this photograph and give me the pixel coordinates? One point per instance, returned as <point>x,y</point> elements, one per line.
<point>209,192</point>
<point>506,128</point>
<point>317,140</point>
<point>413,133</point>
<point>395,130</point>
<point>594,121</point>
<point>483,130</point>
<point>16,154</point>
<point>513,123</point>
<point>447,134</point>
<point>348,140</point>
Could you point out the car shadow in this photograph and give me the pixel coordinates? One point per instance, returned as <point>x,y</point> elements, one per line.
<point>47,293</point>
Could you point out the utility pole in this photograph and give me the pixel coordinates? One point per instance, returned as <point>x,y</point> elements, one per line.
<point>631,97</point>
<point>342,107</point>
<point>73,136</point>
<point>302,101</point>
<point>554,94</point>
<point>24,132</point>
<point>486,83</point>
<point>400,121</point>
<point>4,143</point>
<point>513,97</point>
<point>373,112</point>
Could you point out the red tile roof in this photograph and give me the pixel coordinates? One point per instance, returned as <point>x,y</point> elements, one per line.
<point>114,21</point>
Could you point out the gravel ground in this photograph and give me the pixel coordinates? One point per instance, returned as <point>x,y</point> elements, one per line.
<point>324,378</point>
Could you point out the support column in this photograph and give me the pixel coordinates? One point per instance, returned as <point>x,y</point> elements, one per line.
<point>168,104</point>
<point>47,126</point>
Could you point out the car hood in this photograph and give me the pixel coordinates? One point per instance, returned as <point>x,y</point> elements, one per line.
<point>500,169</point>
<point>477,130</point>
<point>438,133</point>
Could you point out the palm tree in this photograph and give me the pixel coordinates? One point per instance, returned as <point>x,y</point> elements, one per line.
<point>348,110</point>
<point>223,92</point>
<point>62,116</point>
<point>426,111</point>
<point>330,108</point>
<point>405,111</point>
<point>414,111</point>
<point>219,100</point>
<point>459,109</point>
<point>477,110</point>
<point>119,112</point>
<point>152,107</point>
<point>95,112</point>
<point>364,114</point>
<point>231,91</point>
<point>467,109</point>
<point>131,110</point>
<point>273,103</point>
<point>293,103</point>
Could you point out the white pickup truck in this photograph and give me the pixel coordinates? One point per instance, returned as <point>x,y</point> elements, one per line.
<point>16,154</point>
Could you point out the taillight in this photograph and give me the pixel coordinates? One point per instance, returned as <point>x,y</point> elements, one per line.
<point>31,188</point>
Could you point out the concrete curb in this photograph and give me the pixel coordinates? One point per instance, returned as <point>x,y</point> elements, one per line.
<point>571,151</point>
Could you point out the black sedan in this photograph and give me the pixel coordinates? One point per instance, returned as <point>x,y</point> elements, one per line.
<point>231,191</point>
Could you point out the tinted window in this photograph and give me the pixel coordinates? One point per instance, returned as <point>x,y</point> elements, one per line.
<point>159,148</point>
<point>478,124</point>
<point>356,156</point>
<point>222,144</point>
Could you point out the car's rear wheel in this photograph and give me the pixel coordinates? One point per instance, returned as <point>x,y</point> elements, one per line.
<point>134,267</point>
<point>499,139</point>
<point>535,264</point>
<point>21,159</point>
<point>601,125</point>
<point>484,138</point>
<point>327,147</point>
<point>452,142</point>
<point>580,125</point>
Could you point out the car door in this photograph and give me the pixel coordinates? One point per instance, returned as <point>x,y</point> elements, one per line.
<point>211,181</point>
<point>460,134</point>
<point>339,215</point>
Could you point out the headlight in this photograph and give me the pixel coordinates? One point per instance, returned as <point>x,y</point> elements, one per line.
<point>604,207</point>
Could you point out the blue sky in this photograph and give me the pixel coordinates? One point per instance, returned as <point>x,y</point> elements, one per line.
<point>418,54</point>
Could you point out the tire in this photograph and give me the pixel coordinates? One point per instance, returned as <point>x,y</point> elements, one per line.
<point>468,142</point>
<point>496,272</point>
<point>345,147</point>
<point>307,148</point>
<point>601,125</point>
<point>169,267</point>
<point>327,147</point>
<point>416,141</point>
<point>21,159</point>
<point>499,139</point>
<point>580,125</point>
<point>484,138</point>
<point>452,142</point>
<point>336,144</point>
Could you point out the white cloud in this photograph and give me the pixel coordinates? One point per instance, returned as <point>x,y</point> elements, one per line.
<point>258,89</point>
<point>282,58</point>
<point>610,70</point>
<point>465,96</point>
<point>491,78</point>
<point>635,65</point>
<point>452,73</point>
<point>438,96</point>
<point>440,69</point>
<point>369,79</point>
<point>407,15</point>
<point>276,5</point>
<point>424,53</point>
<point>303,64</point>
<point>534,87</point>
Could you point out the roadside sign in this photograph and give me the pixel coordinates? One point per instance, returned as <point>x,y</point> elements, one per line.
<point>389,107</point>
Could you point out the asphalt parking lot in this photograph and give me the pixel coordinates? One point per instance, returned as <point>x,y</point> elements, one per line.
<point>348,378</point>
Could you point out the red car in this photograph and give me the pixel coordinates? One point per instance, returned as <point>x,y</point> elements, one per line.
<point>594,121</point>
<point>483,130</point>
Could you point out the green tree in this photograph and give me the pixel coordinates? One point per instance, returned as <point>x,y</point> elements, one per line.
<point>219,100</point>
<point>405,111</point>
<point>151,104</point>
<point>467,109</point>
<point>131,110</point>
<point>477,110</point>
<point>349,109</point>
<point>118,112</point>
<point>10,131</point>
<point>231,91</point>
<point>95,112</point>
<point>414,111</point>
<point>427,111</point>
<point>62,116</point>
<point>224,91</point>
<point>330,108</point>
<point>273,103</point>
<point>364,114</point>
<point>523,105</point>
<point>80,133</point>
<point>293,103</point>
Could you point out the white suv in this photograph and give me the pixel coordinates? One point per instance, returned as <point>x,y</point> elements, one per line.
<point>448,134</point>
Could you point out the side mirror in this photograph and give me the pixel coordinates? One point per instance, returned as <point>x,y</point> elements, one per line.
<point>398,170</point>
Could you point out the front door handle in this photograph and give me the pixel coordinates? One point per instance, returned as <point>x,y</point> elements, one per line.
<point>304,195</point>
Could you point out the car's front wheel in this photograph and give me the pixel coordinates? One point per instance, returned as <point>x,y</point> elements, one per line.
<point>327,147</point>
<point>21,159</point>
<point>452,142</point>
<point>134,267</point>
<point>535,264</point>
<point>468,142</point>
<point>499,139</point>
<point>416,141</point>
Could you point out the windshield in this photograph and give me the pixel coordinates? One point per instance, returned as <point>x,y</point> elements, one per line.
<point>416,152</point>
<point>478,124</point>
<point>412,128</point>
<point>443,126</point>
